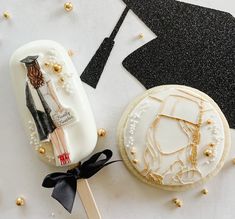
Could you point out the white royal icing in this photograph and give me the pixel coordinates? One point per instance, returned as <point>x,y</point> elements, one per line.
<point>73,118</point>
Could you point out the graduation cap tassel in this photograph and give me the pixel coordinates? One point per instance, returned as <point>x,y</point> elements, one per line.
<point>95,67</point>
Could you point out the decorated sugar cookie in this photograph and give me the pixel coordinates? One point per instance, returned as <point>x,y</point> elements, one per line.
<point>174,137</point>
<point>53,104</point>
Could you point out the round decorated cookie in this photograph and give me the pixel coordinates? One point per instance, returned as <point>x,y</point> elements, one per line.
<point>173,137</point>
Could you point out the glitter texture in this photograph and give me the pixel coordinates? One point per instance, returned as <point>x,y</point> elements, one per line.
<point>195,46</point>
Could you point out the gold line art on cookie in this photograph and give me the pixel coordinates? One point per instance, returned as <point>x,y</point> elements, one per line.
<point>177,134</point>
<point>154,149</point>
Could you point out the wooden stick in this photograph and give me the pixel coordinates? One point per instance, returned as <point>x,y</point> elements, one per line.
<point>88,200</point>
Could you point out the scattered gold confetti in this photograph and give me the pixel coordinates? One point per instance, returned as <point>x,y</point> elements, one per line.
<point>68,6</point>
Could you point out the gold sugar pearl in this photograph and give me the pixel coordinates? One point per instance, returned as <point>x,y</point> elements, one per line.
<point>204,191</point>
<point>6,15</point>
<point>41,150</point>
<point>61,80</point>
<point>20,201</point>
<point>133,150</point>
<point>177,202</point>
<point>135,161</point>
<point>208,153</point>
<point>212,145</point>
<point>68,6</point>
<point>101,132</point>
<point>57,68</point>
<point>141,36</point>
<point>209,121</point>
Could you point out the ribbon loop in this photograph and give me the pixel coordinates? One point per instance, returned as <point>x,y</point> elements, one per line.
<point>65,184</point>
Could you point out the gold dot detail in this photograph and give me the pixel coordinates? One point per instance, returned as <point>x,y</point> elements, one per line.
<point>177,202</point>
<point>20,201</point>
<point>6,15</point>
<point>57,68</point>
<point>135,161</point>
<point>41,150</point>
<point>133,150</point>
<point>204,191</point>
<point>101,132</point>
<point>47,64</point>
<point>212,145</point>
<point>61,80</point>
<point>141,36</point>
<point>68,6</point>
<point>208,153</point>
<point>209,121</point>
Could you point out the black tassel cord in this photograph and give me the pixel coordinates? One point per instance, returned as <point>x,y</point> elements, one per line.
<point>95,67</point>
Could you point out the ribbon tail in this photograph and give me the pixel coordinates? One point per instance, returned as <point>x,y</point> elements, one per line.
<point>64,192</point>
<point>112,162</point>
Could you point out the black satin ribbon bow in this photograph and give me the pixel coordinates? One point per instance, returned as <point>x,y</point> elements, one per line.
<point>65,184</point>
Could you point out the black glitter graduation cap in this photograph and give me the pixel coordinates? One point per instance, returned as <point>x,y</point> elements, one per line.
<point>29,60</point>
<point>195,46</point>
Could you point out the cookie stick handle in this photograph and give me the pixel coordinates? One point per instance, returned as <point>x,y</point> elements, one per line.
<point>88,200</point>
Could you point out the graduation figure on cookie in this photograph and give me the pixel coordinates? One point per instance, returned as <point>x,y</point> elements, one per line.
<point>48,113</point>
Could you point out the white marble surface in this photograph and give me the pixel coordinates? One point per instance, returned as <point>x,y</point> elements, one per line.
<point>117,192</point>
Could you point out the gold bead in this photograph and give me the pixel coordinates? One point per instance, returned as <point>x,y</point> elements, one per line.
<point>20,201</point>
<point>101,132</point>
<point>178,202</point>
<point>61,81</point>
<point>135,161</point>
<point>68,6</point>
<point>57,68</point>
<point>204,191</point>
<point>208,153</point>
<point>6,15</point>
<point>41,150</point>
<point>209,121</point>
<point>141,36</point>
<point>133,150</point>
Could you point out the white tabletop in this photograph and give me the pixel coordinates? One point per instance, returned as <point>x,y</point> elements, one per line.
<point>117,192</point>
